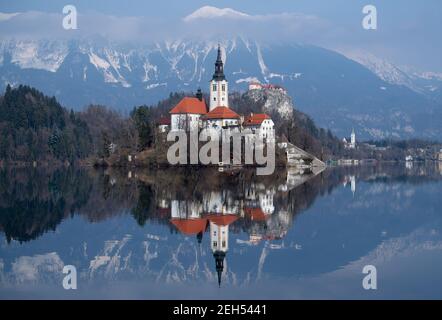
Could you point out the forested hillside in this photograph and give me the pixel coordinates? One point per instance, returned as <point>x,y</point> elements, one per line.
<point>35,127</point>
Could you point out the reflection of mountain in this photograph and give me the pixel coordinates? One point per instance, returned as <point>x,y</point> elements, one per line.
<point>264,233</point>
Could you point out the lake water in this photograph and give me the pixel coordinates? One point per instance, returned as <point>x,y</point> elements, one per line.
<point>180,234</point>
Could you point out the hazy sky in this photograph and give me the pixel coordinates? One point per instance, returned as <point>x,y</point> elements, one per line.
<point>409,31</point>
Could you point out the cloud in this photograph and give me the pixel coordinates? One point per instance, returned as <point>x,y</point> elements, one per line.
<point>218,24</point>
<point>204,23</point>
<point>7,16</point>
<point>211,21</point>
<point>208,12</point>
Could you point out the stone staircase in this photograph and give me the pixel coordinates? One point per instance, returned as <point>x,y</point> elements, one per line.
<point>296,157</point>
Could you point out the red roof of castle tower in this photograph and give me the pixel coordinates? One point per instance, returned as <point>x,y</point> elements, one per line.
<point>222,113</point>
<point>190,105</point>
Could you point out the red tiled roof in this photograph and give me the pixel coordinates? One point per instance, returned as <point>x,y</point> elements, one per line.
<point>255,119</point>
<point>190,105</point>
<point>222,220</point>
<point>222,113</point>
<point>190,226</point>
<point>164,121</point>
<point>255,214</point>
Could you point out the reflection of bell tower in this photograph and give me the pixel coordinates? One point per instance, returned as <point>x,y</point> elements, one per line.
<point>219,264</point>
<point>219,237</point>
<point>219,240</point>
<point>353,184</point>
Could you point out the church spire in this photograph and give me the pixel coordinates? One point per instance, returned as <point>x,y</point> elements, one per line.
<point>219,67</point>
<point>218,59</point>
<point>219,264</point>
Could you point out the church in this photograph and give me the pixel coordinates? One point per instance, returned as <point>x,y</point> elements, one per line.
<point>350,143</point>
<point>191,113</point>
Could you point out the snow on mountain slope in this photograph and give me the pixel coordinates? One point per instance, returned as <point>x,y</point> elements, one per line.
<point>429,83</point>
<point>429,75</point>
<point>34,268</point>
<point>44,55</point>
<point>382,68</point>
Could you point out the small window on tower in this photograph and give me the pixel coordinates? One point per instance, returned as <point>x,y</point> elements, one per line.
<point>223,87</point>
<point>214,87</point>
<point>214,98</point>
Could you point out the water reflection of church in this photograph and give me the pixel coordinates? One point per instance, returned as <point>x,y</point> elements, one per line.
<point>216,211</point>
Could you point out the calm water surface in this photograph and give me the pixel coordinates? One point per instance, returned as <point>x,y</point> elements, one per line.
<point>207,235</point>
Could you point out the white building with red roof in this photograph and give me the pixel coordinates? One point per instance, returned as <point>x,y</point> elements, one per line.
<point>163,124</point>
<point>187,113</point>
<point>260,86</point>
<point>223,119</point>
<point>260,124</point>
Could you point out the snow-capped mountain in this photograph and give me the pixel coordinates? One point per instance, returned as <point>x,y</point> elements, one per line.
<point>428,83</point>
<point>339,93</point>
<point>382,68</point>
<point>209,12</point>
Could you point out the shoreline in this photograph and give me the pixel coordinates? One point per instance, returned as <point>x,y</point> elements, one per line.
<point>87,164</point>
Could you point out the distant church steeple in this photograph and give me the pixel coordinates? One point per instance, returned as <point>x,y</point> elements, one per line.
<point>219,91</point>
<point>353,139</point>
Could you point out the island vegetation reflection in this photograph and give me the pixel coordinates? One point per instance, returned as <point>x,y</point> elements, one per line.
<point>202,207</point>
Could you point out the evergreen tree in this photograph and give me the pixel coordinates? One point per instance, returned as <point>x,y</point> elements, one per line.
<point>105,145</point>
<point>145,126</point>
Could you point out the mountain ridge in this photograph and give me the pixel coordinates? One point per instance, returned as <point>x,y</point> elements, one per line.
<point>120,75</point>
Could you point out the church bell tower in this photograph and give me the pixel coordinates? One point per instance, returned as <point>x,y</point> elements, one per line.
<point>219,92</point>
